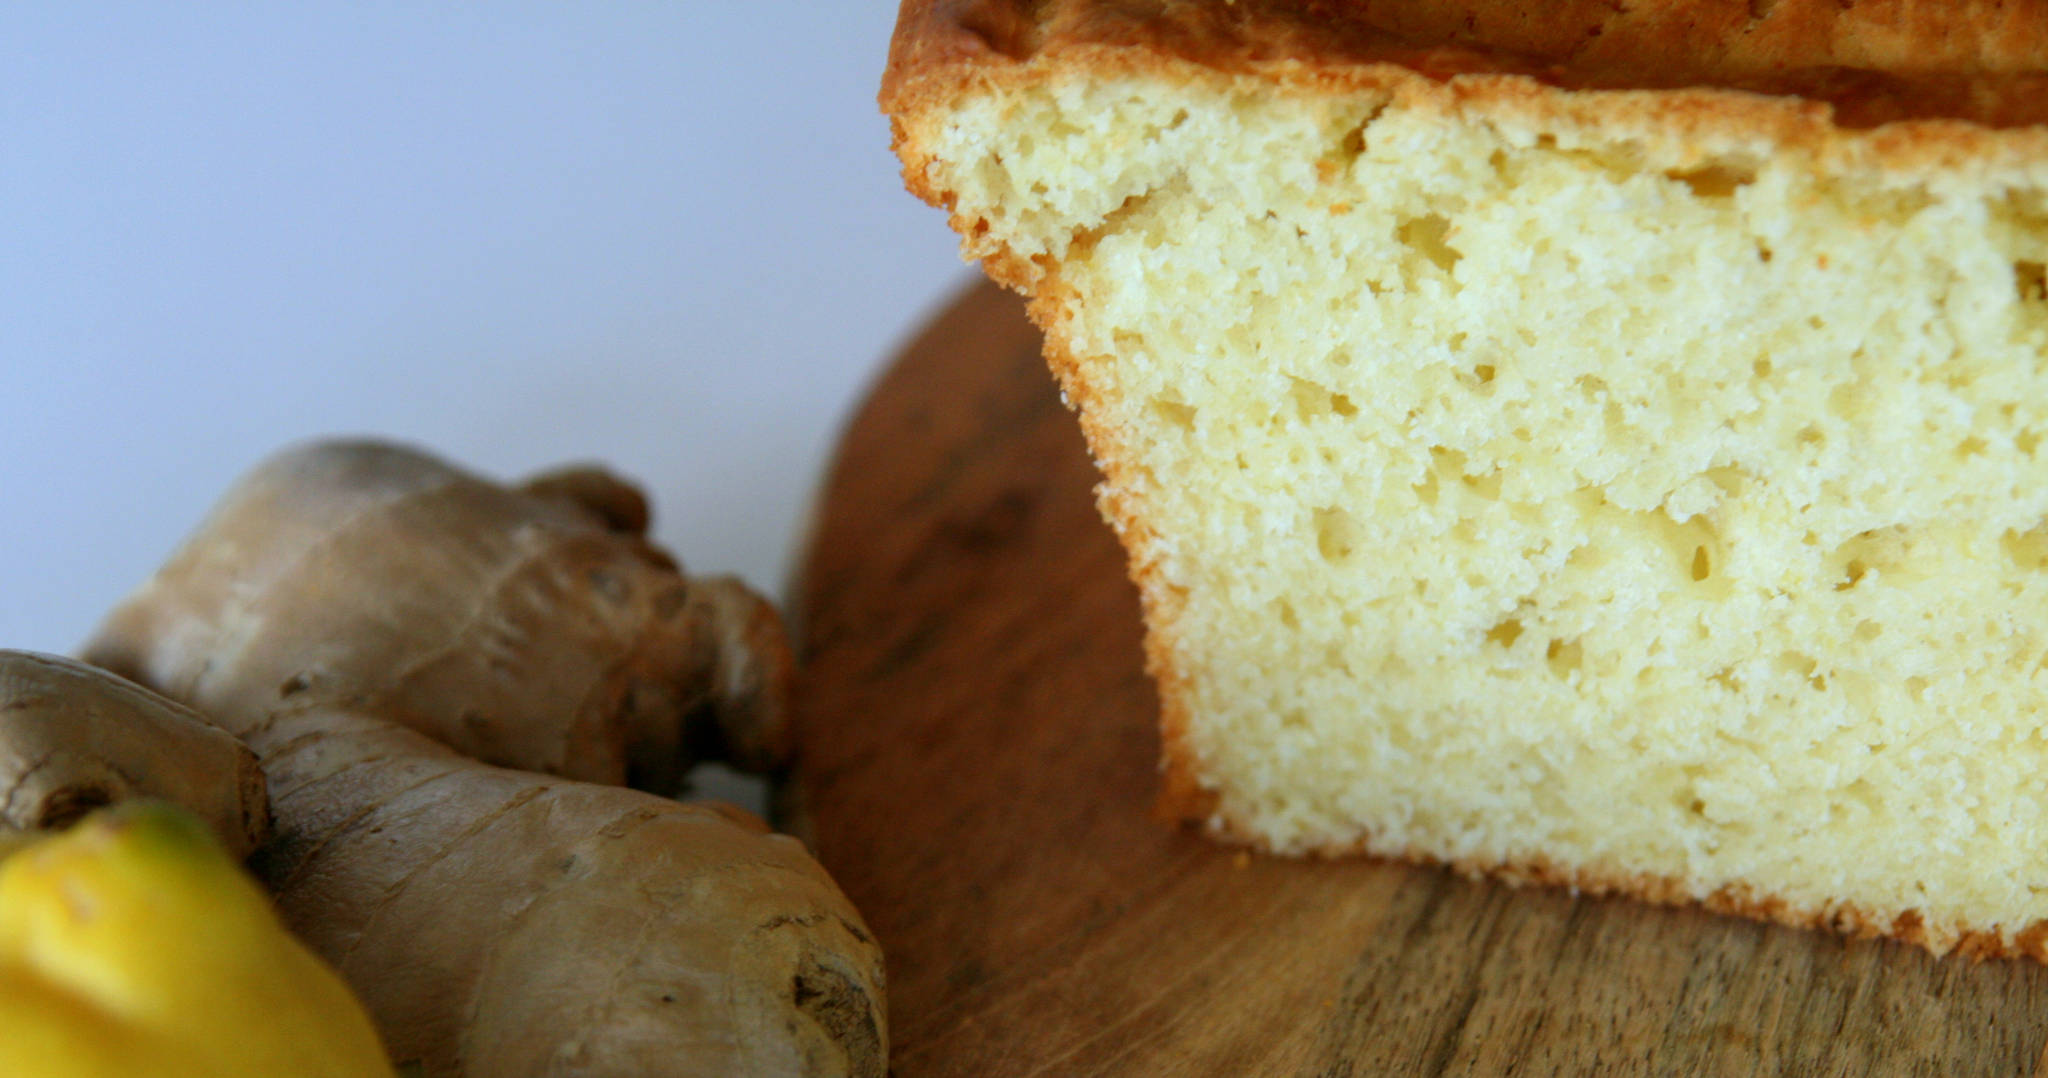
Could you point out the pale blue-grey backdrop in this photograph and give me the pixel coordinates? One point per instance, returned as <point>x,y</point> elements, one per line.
<point>668,236</point>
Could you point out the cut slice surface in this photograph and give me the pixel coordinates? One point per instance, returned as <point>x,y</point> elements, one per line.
<point>1638,490</point>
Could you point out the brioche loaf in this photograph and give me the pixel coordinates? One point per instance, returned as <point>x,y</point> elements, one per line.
<point>1587,443</point>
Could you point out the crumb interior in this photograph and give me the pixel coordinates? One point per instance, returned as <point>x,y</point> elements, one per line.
<point>1507,491</point>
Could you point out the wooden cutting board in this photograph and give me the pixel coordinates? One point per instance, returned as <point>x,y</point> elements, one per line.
<point>978,766</point>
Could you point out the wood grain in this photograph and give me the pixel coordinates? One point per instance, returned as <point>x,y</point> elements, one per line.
<point>978,763</point>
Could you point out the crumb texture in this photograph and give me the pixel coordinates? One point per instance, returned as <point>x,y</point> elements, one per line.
<point>1510,490</point>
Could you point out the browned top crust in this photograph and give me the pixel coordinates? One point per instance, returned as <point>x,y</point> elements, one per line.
<point>1872,61</point>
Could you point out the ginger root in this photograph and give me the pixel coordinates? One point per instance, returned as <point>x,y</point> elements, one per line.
<point>74,738</point>
<point>534,628</point>
<point>358,613</point>
<point>502,923</point>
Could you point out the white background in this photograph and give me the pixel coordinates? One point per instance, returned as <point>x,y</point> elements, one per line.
<point>665,236</point>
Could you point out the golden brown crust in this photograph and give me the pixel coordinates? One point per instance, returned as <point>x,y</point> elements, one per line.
<point>1871,61</point>
<point>1182,795</point>
<point>1737,899</point>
